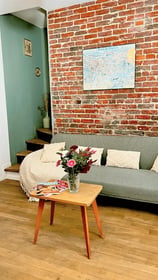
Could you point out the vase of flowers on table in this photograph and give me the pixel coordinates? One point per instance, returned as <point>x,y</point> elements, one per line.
<point>75,161</point>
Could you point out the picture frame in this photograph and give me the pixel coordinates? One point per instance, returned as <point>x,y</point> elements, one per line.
<point>110,67</point>
<point>27,47</point>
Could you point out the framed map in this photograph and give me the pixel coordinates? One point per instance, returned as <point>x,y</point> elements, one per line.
<point>109,67</point>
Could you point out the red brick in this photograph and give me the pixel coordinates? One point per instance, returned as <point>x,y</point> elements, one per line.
<point>134,109</point>
<point>87,15</point>
<point>144,117</point>
<point>80,10</point>
<point>94,7</point>
<point>143,127</point>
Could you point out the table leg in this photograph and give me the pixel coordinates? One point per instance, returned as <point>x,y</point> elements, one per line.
<point>96,213</point>
<point>52,212</point>
<point>38,220</point>
<point>86,229</point>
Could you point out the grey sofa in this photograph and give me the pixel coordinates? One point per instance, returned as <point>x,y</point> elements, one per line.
<point>131,184</point>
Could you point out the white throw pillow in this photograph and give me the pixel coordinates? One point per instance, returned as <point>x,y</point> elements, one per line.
<point>49,153</point>
<point>126,159</point>
<point>155,165</point>
<point>96,156</point>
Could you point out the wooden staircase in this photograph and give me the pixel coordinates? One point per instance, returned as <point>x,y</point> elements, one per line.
<point>44,137</point>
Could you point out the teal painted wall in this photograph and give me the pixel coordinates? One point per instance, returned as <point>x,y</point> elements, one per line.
<point>24,90</point>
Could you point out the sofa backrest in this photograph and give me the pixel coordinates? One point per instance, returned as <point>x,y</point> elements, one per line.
<point>147,146</point>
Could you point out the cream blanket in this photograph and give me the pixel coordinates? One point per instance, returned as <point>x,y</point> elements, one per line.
<point>33,171</point>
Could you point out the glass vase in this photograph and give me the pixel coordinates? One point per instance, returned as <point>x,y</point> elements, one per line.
<point>73,182</point>
<point>46,121</point>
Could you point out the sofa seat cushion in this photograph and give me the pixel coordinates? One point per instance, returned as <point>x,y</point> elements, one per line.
<point>140,185</point>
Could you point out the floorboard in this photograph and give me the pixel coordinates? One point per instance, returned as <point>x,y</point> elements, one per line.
<point>129,250</point>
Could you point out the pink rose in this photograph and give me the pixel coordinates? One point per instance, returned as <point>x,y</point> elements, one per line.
<point>71,163</point>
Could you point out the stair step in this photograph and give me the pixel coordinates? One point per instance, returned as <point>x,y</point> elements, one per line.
<point>45,130</point>
<point>13,168</point>
<point>35,144</point>
<point>22,155</point>
<point>44,134</point>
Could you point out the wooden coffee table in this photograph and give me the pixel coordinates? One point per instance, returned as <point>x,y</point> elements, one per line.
<point>85,197</point>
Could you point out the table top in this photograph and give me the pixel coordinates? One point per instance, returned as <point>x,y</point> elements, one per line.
<point>84,197</point>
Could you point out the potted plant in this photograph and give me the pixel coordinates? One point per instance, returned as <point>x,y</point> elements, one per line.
<point>44,111</point>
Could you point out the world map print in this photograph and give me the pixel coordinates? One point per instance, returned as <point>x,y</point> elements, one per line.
<point>109,67</point>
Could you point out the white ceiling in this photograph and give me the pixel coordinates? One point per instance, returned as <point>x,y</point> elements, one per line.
<point>34,11</point>
<point>35,16</point>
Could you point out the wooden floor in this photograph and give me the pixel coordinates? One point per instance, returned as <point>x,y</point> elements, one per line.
<point>129,250</point>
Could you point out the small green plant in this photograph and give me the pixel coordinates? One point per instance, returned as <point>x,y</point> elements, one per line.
<point>44,109</point>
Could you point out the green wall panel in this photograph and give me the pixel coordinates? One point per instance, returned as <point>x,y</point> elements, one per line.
<point>24,90</point>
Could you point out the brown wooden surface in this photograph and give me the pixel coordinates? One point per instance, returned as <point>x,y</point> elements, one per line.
<point>45,130</point>
<point>13,168</point>
<point>23,153</point>
<point>129,250</point>
<point>85,196</point>
<point>37,141</point>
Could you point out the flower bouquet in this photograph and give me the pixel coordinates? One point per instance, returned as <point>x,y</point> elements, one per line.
<point>75,161</point>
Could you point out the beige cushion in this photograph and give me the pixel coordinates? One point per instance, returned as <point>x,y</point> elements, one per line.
<point>126,159</point>
<point>96,156</point>
<point>49,153</point>
<point>155,165</point>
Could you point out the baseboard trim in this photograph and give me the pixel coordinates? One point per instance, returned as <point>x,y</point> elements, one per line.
<point>13,175</point>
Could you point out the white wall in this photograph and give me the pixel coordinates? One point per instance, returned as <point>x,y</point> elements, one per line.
<point>4,139</point>
<point>11,6</point>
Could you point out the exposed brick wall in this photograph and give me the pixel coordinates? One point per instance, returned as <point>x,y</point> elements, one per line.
<point>96,24</point>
